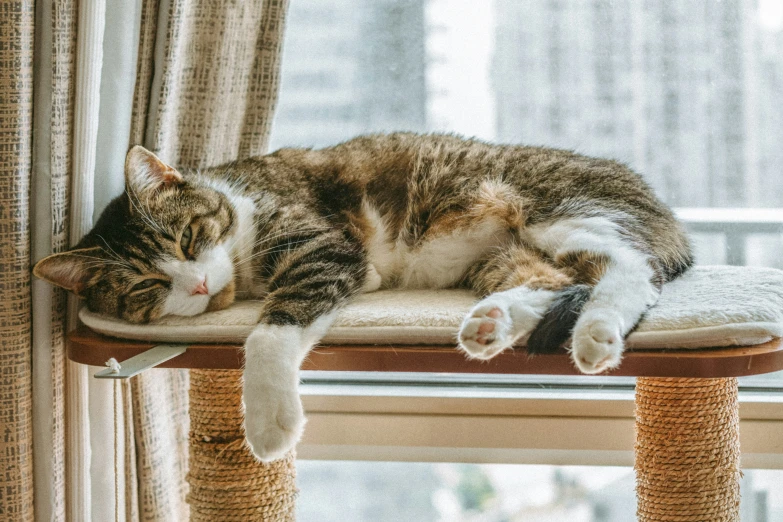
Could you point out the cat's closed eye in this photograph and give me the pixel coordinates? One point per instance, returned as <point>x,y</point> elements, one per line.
<point>147,284</point>
<point>187,239</point>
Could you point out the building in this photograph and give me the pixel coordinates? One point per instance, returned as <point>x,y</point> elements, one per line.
<point>351,67</point>
<point>683,92</point>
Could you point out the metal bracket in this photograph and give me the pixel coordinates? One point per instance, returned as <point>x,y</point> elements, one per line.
<point>143,361</point>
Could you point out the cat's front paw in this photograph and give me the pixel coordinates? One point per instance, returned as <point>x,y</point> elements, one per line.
<point>597,343</point>
<point>274,422</point>
<point>500,320</point>
<point>274,419</point>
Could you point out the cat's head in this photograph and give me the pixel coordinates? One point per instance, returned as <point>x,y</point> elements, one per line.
<point>162,247</point>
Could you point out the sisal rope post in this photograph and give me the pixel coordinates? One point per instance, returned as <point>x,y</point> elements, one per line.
<point>687,450</point>
<point>226,481</point>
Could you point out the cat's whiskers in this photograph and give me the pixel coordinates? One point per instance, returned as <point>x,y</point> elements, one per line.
<point>277,236</point>
<point>271,250</point>
<point>253,231</point>
<point>291,232</point>
<point>145,216</point>
<point>101,262</point>
<point>276,248</point>
<point>113,253</point>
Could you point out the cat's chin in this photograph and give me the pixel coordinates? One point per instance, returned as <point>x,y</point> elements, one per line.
<point>180,303</point>
<point>222,299</point>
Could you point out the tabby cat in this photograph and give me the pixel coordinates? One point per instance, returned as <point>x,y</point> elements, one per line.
<point>557,244</point>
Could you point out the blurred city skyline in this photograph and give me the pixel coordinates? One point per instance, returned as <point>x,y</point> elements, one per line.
<point>686,93</point>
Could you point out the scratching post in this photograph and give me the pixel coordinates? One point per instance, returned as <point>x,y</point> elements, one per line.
<point>687,449</point>
<point>226,482</point>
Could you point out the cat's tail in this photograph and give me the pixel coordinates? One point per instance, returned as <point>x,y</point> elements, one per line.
<point>555,327</point>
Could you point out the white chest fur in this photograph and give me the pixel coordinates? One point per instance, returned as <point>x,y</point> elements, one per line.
<point>439,262</point>
<point>245,239</point>
<point>241,244</point>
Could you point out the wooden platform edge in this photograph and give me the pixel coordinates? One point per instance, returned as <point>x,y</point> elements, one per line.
<point>88,347</point>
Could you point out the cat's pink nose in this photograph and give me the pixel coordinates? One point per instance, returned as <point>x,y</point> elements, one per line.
<point>201,288</point>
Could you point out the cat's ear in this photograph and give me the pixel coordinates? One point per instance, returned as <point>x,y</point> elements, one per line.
<point>145,173</point>
<point>71,270</point>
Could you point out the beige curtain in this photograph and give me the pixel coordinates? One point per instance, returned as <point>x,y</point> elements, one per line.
<point>55,70</point>
<point>206,80</point>
<point>213,96</point>
<point>16,112</point>
<point>210,100</point>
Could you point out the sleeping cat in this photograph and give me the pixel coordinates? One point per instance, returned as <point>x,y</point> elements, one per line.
<point>557,245</point>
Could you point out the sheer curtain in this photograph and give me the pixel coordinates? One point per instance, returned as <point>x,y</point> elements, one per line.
<point>194,80</point>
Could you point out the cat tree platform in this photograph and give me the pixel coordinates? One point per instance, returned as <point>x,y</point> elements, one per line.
<point>711,326</point>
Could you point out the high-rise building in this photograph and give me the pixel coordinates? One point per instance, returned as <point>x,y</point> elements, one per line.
<point>350,67</point>
<point>682,91</point>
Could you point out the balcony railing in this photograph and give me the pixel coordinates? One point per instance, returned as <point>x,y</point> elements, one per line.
<point>735,224</point>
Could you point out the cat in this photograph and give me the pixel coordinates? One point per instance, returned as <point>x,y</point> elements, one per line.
<point>556,244</point>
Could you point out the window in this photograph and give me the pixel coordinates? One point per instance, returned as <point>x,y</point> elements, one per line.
<point>392,492</point>
<point>687,93</point>
<point>428,423</point>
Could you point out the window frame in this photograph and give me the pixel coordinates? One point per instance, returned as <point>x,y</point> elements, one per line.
<point>520,419</point>
<point>487,420</point>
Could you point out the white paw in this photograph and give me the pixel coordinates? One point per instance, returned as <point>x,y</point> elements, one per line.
<point>372,280</point>
<point>274,421</point>
<point>597,343</point>
<point>500,320</point>
<point>486,331</point>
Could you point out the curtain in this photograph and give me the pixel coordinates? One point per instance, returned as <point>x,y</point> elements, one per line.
<point>16,112</point>
<point>208,99</point>
<point>194,80</point>
<point>54,78</point>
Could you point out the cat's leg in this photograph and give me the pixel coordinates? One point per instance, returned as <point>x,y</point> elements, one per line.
<point>624,284</point>
<point>274,419</point>
<point>520,284</point>
<point>311,282</point>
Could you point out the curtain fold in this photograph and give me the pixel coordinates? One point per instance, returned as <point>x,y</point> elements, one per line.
<point>216,80</point>
<point>54,80</point>
<point>195,80</point>
<point>206,86</point>
<point>113,465</point>
<point>161,424</point>
<point>79,423</point>
<point>16,113</point>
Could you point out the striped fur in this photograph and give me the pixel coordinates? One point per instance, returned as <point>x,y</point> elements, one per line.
<point>558,244</point>
<point>316,215</point>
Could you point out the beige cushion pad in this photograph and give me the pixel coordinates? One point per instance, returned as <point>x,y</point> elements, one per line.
<point>708,307</point>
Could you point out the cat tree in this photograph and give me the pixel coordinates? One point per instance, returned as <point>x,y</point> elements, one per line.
<point>687,457</point>
<point>226,482</point>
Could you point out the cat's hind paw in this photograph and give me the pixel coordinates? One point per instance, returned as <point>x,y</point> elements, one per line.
<point>501,319</point>
<point>486,331</point>
<point>597,343</point>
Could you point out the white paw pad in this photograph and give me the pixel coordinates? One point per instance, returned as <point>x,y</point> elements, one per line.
<point>486,331</point>
<point>597,343</point>
<point>500,320</point>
